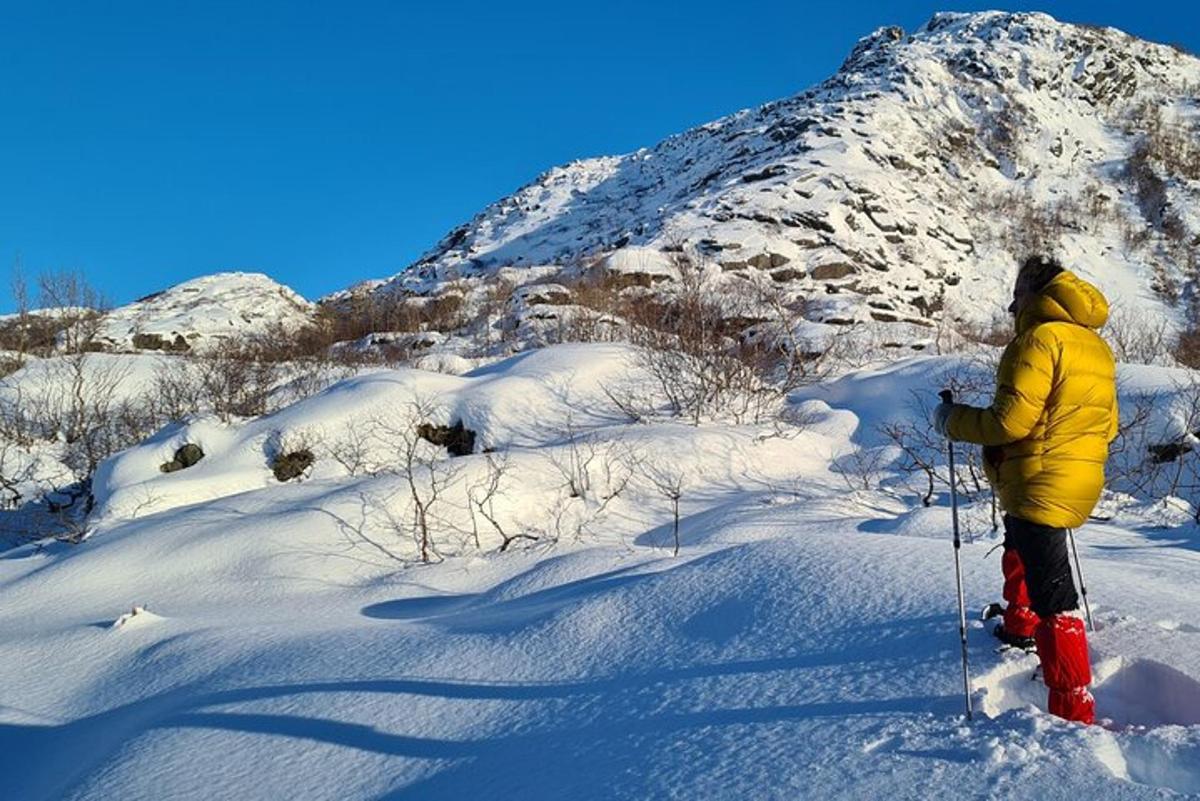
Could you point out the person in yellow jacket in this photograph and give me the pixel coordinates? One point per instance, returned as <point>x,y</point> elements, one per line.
<point>1045,437</point>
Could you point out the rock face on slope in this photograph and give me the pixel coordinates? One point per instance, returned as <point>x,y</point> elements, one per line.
<point>202,311</point>
<point>900,189</point>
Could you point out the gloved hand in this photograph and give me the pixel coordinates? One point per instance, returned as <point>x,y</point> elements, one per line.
<point>941,416</point>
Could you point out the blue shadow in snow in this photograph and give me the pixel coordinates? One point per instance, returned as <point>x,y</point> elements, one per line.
<point>417,608</point>
<point>480,614</point>
<point>42,761</point>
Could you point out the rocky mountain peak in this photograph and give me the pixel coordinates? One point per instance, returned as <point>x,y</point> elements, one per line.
<point>901,189</point>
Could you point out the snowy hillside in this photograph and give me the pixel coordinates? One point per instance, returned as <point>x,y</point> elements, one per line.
<point>802,644</point>
<point>202,311</point>
<point>898,189</point>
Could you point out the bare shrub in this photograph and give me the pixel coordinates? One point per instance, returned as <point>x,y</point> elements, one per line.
<point>75,308</point>
<point>594,472</point>
<point>236,378</point>
<point>1154,465</point>
<point>17,332</point>
<point>177,388</point>
<point>1166,150</point>
<point>668,482</point>
<point>481,503</point>
<point>1128,450</point>
<point>730,351</point>
<point>862,468</point>
<point>997,332</point>
<point>1186,350</point>
<point>1136,338</point>
<point>1172,145</point>
<point>491,307</point>
<point>1029,224</point>
<point>924,451</point>
<point>1000,133</point>
<point>381,310</point>
<point>352,449</point>
<point>417,508</point>
<point>76,399</point>
<point>1150,189</point>
<point>16,470</point>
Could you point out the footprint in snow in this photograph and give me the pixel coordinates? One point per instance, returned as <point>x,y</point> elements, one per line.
<point>1150,712</point>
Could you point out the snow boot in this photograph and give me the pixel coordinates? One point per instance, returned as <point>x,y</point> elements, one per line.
<point>1008,638</point>
<point>1020,621</point>
<point>1062,648</point>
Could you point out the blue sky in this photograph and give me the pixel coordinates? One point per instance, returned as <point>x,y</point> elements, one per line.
<point>145,143</point>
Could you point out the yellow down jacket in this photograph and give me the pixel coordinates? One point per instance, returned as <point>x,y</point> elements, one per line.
<point>1047,431</point>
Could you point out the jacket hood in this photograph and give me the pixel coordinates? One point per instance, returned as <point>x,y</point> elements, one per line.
<point>1067,298</point>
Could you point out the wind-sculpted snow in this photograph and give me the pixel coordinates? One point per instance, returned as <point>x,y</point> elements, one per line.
<point>550,410</point>
<point>802,644</point>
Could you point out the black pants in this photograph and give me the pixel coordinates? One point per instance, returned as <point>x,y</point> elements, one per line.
<point>1043,552</point>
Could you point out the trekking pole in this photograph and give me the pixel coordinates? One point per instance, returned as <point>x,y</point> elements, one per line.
<point>948,397</point>
<point>1087,608</point>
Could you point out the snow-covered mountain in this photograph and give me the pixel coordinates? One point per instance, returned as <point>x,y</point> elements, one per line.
<point>202,311</point>
<point>902,185</point>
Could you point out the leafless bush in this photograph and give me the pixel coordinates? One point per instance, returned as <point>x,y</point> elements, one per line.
<point>481,503</point>
<point>731,352</point>
<point>236,379</point>
<point>1150,189</point>
<point>491,307</point>
<point>1136,338</point>
<point>16,470</point>
<point>591,469</point>
<point>177,388</point>
<point>668,482</point>
<point>594,472</point>
<point>19,334</point>
<point>863,468</point>
<point>1127,453</point>
<point>438,504</point>
<point>68,508</point>
<point>75,397</point>
<point>1029,225</point>
<point>352,449</point>
<point>110,427</point>
<point>75,308</point>
<point>1000,134</point>
<point>425,479</point>
<point>1166,150</point>
<point>997,332</point>
<point>953,142</point>
<point>1187,348</point>
<point>924,452</point>
<point>1150,464</point>
<point>1171,145</point>
<point>383,311</point>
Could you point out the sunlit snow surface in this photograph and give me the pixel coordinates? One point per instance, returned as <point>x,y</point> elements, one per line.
<point>803,643</point>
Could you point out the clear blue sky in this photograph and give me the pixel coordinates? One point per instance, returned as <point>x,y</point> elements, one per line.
<point>145,143</point>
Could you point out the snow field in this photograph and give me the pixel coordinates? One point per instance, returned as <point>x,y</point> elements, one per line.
<point>803,643</point>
